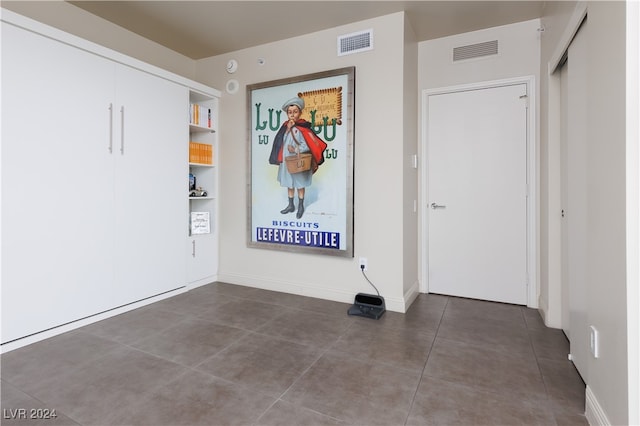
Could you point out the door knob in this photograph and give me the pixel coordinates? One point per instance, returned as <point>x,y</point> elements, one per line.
<point>437,206</point>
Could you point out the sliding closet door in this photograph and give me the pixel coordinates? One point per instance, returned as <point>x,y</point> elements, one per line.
<point>574,202</point>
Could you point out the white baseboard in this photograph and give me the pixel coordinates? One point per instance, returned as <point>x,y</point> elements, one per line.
<point>411,294</point>
<point>55,331</point>
<point>201,282</point>
<point>543,309</point>
<point>304,289</point>
<point>593,410</point>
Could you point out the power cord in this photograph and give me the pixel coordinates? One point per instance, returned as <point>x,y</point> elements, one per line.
<point>368,280</point>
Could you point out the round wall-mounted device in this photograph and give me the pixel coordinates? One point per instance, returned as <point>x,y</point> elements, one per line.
<point>232,86</point>
<point>232,66</point>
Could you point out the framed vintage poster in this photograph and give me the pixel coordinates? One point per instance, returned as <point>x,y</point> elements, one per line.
<point>300,192</point>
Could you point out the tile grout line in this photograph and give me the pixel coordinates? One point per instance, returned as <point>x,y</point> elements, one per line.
<point>535,355</point>
<point>424,367</point>
<point>302,374</point>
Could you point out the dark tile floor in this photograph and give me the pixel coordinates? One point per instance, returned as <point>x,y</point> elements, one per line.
<point>230,355</point>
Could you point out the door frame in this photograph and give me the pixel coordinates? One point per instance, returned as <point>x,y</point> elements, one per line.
<point>532,180</point>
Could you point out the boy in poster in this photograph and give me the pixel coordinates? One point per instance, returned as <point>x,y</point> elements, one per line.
<point>294,136</point>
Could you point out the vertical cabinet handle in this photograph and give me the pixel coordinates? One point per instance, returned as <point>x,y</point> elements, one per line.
<point>193,248</point>
<point>122,130</point>
<point>110,129</point>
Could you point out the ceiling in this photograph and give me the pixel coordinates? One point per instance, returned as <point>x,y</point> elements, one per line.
<point>200,29</point>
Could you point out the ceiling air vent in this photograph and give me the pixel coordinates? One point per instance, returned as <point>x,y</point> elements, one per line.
<point>355,42</point>
<point>479,50</point>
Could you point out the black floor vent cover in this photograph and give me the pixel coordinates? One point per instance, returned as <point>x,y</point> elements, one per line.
<point>367,305</point>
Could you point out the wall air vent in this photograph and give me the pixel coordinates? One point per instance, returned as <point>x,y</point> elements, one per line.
<point>355,42</point>
<point>479,50</point>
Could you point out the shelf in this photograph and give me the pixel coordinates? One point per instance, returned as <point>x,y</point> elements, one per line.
<point>194,128</point>
<point>202,254</point>
<point>199,236</point>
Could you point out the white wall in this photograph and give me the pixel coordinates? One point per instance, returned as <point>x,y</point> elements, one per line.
<point>611,391</point>
<point>380,140</point>
<point>410,179</point>
<point>606,215</point>
<point>518,56</point>
<point>633,208</point>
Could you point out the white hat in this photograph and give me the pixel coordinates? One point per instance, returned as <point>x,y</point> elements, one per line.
<point>299,102</point>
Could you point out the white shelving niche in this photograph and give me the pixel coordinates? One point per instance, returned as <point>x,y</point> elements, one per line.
<point>202,246</point>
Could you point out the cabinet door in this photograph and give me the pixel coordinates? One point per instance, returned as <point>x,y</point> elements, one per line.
<point>151,185</point>
<point>203,258</point>
<point>57,183</point>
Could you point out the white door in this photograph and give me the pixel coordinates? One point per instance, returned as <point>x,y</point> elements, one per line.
<point>57,177</point>
<point>151,171</point>
<point>574,201</point>
<point>477,193</point>
<point>564,188</point>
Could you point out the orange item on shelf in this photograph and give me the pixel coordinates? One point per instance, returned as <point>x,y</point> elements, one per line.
<point>200,153</point>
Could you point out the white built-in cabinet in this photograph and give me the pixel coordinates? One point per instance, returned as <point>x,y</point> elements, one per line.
<point>94,194</point>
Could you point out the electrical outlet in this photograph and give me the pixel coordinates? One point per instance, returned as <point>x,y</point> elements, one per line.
<point>363,262</point>
<point>593,341</point>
